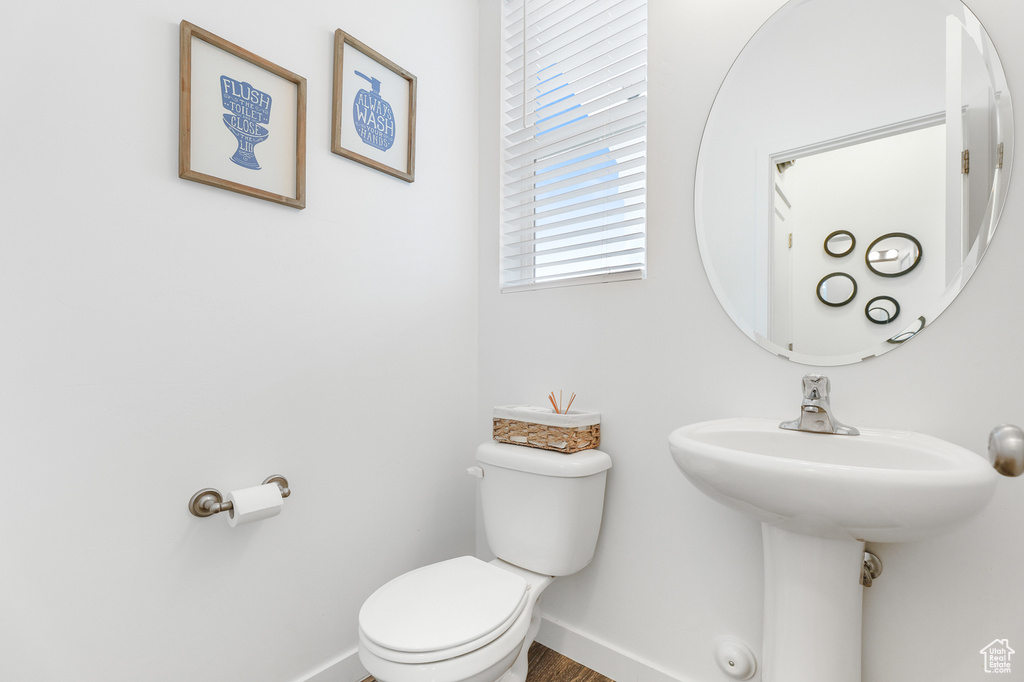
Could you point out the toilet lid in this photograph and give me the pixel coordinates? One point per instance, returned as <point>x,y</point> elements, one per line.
<point>443,606</point>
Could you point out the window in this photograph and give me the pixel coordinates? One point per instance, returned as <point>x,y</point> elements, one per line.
<point>575,139</point>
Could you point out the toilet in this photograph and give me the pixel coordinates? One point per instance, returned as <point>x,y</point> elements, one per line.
<point>468,620</point>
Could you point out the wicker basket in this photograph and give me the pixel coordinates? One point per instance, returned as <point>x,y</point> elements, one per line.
<point>538,427</point>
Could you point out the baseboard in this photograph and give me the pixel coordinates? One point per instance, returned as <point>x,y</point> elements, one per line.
<point>345,668</point>
<point>594,654</point>
<point>600,656</point>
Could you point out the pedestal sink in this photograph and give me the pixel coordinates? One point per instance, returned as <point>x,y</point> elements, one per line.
<point>819,498</point>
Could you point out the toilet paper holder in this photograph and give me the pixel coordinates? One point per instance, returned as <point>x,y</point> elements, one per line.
<point>209,501</point>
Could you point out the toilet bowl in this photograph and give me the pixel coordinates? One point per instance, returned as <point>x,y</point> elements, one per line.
<point>460,620</point>
<point>467,620</point>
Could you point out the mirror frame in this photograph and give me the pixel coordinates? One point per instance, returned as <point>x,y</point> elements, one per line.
<point>829,276</point>
<point>834,254</point>
<point>904,235</point>
<point>868,308</point>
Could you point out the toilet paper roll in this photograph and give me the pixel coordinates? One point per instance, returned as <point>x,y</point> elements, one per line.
<point>254,504</point>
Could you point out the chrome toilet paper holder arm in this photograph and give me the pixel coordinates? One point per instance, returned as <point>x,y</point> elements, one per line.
<point>209,501</point>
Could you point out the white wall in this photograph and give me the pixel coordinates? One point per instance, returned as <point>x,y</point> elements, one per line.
<point>674,570</point>
<point>159,336</point>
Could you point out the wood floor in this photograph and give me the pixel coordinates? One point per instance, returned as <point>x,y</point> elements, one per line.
<point>550,666</point>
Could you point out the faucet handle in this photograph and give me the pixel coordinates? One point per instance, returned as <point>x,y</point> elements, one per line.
<point>1006,449</point>
<point>817,387</point>
<point>816,410</point>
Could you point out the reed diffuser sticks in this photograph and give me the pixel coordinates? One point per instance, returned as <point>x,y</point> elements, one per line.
<point>558,405</point>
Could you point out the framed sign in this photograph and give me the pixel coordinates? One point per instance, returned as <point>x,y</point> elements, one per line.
<point>374,116</point>
<point>242,120</point>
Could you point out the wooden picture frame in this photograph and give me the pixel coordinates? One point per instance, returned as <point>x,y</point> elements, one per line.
<point>242,120</point>
<point>374,114</point>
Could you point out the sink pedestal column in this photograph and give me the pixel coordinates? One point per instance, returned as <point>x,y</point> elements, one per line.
<point>813,608</point>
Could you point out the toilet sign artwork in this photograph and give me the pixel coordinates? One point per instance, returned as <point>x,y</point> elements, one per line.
<point>241,120</point>
<point>374,116</point>
<point>249,111</point>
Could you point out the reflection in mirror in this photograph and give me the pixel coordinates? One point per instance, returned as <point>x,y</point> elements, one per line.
<point>840,243</point>
<point>893,255</point>
<point>837,289</point>
<point>908,333</point>
<point>851,136</point>
<point>882,309</point>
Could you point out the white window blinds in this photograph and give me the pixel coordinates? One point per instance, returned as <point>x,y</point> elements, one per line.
<point>575,137</point>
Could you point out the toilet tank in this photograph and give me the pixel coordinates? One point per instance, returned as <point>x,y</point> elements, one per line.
<point>542,509</point>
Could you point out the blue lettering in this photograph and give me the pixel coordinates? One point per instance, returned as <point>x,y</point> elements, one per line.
<point>249,108</point>
<point>373,117</point>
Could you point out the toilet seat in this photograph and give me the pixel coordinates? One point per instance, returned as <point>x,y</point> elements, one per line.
<point>442,611</point>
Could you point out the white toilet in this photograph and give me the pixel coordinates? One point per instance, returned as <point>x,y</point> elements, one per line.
<point>466,620</point>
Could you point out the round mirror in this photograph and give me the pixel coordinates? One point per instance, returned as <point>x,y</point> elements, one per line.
<point>893,255</point>
<point>836,289</point>
<point>882,309</point>
<point>841,112</point>
<point>840,243</point>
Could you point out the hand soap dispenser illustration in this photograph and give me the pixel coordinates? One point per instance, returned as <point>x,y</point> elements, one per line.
<point>373,117</point>
<point>249,108</point>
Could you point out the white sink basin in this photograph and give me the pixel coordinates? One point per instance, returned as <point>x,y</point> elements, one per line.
<point>819,498</point>
<point>880,486</point>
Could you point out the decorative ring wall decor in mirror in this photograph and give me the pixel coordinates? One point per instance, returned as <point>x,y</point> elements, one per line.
<point>836,289</point>
<point>882,309</point>
<point>908,333</point>
<point>840,243</point>
<point>893,255</point>
<point>852,113</point>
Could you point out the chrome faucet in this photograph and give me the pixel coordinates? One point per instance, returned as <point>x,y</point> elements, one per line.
<point>816,410</point>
